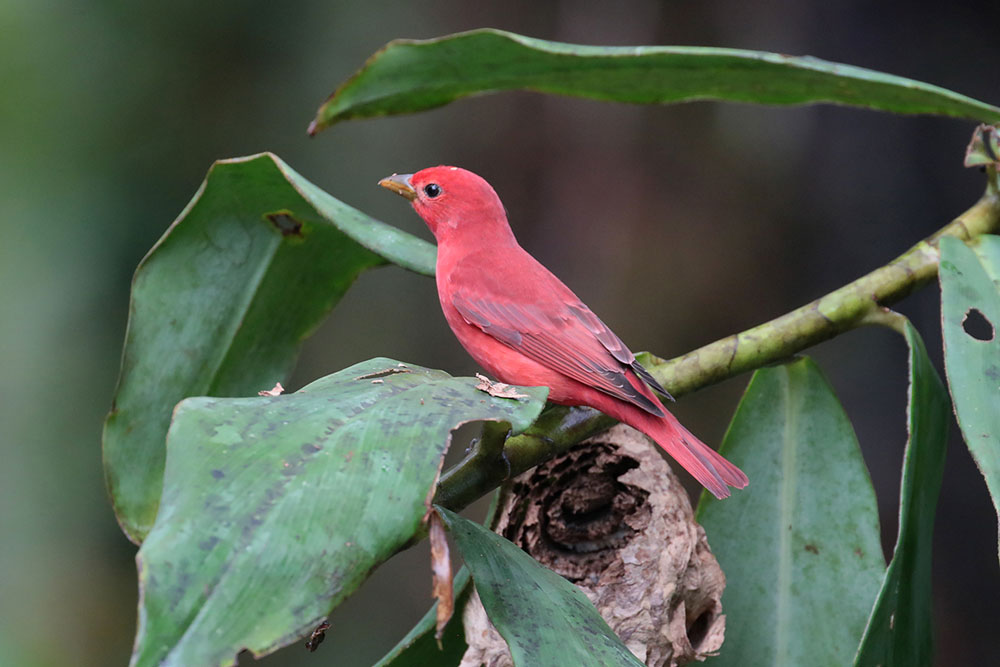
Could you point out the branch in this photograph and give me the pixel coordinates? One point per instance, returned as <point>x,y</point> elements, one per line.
<point>859,303</point>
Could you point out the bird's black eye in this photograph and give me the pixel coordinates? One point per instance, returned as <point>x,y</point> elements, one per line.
<point>432,190</point>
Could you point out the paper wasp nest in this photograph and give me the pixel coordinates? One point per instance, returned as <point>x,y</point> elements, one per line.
<point>611,517</point>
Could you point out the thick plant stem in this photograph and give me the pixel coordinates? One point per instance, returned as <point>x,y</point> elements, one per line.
<point>856,304</point>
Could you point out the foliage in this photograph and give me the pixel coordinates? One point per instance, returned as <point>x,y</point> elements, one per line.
<point>258,514</point>
<point>545,619</point>
<point>802,548</point>
<point>221,303</point>
<point>409,75</point>
<point>276,508</point>
<point>969,297</point>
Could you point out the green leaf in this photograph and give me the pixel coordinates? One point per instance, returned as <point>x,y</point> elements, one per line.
<point>275,509</point>
<point>410,75</point>
<point>800,546</point>
<point>222,302</point>
<point>970,297</point>
<point>545,619</point>
<point>419,648</point>
<point>901,630</point>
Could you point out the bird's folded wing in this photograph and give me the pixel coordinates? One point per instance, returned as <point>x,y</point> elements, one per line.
<point>569,339</point>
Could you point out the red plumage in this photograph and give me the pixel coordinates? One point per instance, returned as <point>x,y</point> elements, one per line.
<point>524,326</point>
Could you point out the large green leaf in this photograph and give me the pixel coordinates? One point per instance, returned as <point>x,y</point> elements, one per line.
<point>970,296</point>
<point>275,509</point>
<point>800,546</point>
<point>222,302</point>
<point>545,619</point>
<point>409,75</point>
<point>901,630</point>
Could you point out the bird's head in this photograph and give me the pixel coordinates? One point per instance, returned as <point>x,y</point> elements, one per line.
<point>451,200</point>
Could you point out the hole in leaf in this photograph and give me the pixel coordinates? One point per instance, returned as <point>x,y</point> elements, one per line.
<point>286,224</point>
<point>976,325</point>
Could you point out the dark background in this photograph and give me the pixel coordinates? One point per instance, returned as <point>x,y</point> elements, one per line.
<point>678,225</point>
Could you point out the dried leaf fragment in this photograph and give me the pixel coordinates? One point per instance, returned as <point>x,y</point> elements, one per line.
<point>442,575</point>
<point>497,389</point>
<point>278,390</point>
<point>317,636</point>
<point>984,148</point>
<point>388,371</point>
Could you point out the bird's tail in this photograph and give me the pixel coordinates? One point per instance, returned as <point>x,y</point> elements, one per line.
<point>704,463</point>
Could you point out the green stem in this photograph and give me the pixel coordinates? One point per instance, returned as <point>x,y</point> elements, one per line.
<point>857,304</point>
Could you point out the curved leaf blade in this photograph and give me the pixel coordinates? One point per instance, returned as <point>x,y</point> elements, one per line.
<point>800,546</point>
<point>419,648</point>
<point>275,509</point>
<point>970,288</point>
<point>414,75</point>
<point>901,629</point>
<point>545,619</point>
<point>222,302</point>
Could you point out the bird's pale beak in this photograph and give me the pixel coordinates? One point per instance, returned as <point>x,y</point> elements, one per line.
<point>400,184</point>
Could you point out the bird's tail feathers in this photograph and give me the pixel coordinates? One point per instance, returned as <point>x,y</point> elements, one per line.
<point>705,464</point>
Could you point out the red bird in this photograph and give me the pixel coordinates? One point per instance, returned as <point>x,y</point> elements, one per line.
<point>524,326</point>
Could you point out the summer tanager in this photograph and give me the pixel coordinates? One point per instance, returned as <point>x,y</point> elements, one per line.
<point>524,326</point>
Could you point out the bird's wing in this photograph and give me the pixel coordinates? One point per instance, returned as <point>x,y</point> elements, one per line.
<point>614,345</point>
<point>566,337</point>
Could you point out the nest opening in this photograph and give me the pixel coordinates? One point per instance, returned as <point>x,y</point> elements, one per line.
<point>575,515</point>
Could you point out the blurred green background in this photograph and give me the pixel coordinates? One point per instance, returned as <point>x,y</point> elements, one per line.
<point>678,225</point>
